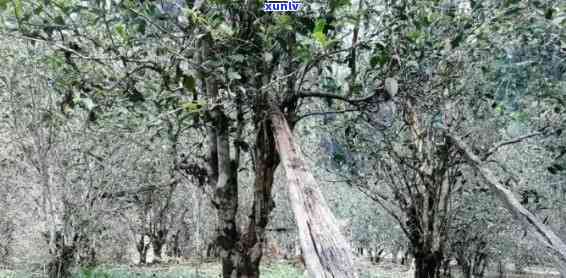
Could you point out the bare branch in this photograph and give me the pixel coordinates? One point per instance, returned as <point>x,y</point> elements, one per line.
<point>324,113</point>
<point>515,140</point>
<point>333,96</point>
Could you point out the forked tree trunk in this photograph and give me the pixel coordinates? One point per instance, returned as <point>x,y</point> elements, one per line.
<point>142,248</point>
<point>253,240</point>
<point>62,258</point>
<point>327,253</point>
<point>543,233</point>
<point>241,251</point>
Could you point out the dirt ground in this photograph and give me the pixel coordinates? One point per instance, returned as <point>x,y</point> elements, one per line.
<point>270,269</point>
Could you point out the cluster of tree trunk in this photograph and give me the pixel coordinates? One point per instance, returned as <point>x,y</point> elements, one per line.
<point>62,255</point>
<point>474,266</point>
<point>374,254</point>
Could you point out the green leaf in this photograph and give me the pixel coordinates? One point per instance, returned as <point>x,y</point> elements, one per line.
<point>267,57</point>
<point>223,30</point>
<point>520,116</point>
<point>511,2</point>
<point>381,56</point>
<point>4,4</point>
<point>318,33</point>
<point>141,27</point>
<point>455,42</point>
<point>339,3</point>
<point>194,106</point>
<point>414,35</point>
<point>18,8</point>
<point>339,157</point>
<point>304,53</point>
<point>319,25</point>
<point>284,21</point>
<point>232,75</point>
<point>549,13</point>
<point>499,109</point>
<point>88,103</point>
<point>320,38</point>
<point>512,11</point>
<point>237,58</point>
<point>121,31</point>
<point>59,20</point>
<point>189,83</point>
<point>391,86</point>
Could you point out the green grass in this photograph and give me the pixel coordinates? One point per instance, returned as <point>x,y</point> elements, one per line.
<point>149,272</point>
<point>280,270</point>
<point>205,270</point>
<point>17,274</point>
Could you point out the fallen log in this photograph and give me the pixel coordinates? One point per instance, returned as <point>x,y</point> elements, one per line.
<point>326,251</point>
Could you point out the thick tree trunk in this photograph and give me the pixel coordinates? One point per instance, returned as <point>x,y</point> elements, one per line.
<point>223,177</point>
<point>87,251</point>
<point>241,253</point>
<point>61,264</point>
<point>543,233</point>
<point>326,251</point>
<point>157,244</point>
<point>266,161</point>
<point>62,258</point>
<point>427,264</point>
<point>226,200</point>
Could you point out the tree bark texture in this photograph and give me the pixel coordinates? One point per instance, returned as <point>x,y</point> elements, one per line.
<point>266,161</point>
<point>428,183</point>
<point>326,251</point>
<point>241,251</point>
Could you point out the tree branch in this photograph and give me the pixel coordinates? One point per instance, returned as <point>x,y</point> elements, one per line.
<point>144,189</point>
<point>354,102</point>
<point>515,140</point>
<point>323,114</point>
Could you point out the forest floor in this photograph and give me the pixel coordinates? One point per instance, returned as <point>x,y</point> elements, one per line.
<point>269,269</point>
<point>195,269</point>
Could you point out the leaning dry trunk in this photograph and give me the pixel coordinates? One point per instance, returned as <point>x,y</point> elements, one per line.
<point>542,232</point>
<point>326,251</point>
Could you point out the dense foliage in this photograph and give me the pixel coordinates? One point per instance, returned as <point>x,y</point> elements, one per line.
<point>144,130</point>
